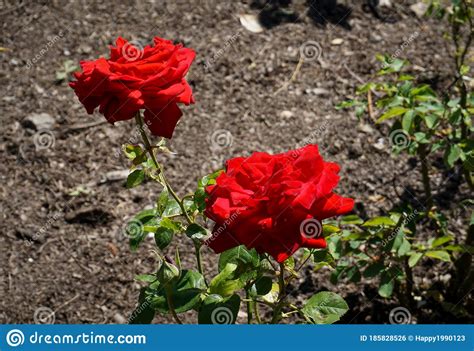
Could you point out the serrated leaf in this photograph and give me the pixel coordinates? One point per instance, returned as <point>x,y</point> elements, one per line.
<point>325,308</point>
<point>135,178</point>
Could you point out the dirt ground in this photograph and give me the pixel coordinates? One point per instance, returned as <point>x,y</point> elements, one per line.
<point>70,254</point>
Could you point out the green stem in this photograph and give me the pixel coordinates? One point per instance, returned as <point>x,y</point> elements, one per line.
<point>249,307</point>
<point>149,148</point>
<point>257,313</point>
<point>281,295</point>
<point>171,307</point>
<point>197,250</point>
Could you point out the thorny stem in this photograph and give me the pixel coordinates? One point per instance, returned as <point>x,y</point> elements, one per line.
<point>165,182</point>
<point>161,174</point>
<point>281,295</point>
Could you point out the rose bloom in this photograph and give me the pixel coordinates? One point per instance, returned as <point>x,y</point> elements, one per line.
<point>133,79</point>
<point>274,203</point>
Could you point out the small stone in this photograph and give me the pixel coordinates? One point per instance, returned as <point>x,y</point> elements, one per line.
<point>419,9</point>
<point>39,121</point>
<point>380,144</point>
<point>365,128</point>
<point>337,41</point>
<point>119,319</point>
<point>286,114</point>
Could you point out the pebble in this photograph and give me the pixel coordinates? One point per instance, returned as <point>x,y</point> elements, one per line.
<point>419,9</point>
<point>39,121</point>
<point>286,114</point>
<point>337,41</point>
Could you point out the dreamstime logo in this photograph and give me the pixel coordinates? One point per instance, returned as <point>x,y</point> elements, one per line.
<point>221,139</point>
<point>399,315</point>
<point>399,138</point>
<point>310,51</point>
<point>311,228</point>
<point>15,337</point>
<point>222,315</point>
<point>132,51</point>
<point>44,139</point>
<point>133,229</point>
<point>44,315</point>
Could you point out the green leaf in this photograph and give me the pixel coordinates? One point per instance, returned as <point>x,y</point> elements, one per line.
<point>439,255</point>
<point>325,308</point>
<point>414,258</point>
<point>132,151</point>
<point>136,229</point>
<point>374,269</point>
<point>353,274</point>
<point>452,154</point>
<point>163,237</point>
<point>351,219</point>
<point>431,120</point>
<point>262,286</point>
<point>196,232</point>
<point>143,313</point>
<point>441,241</point>
<point>379,221</point>
<point>386,285</point>
<point>186,293</point>
<point>239,255</point>
<point>404,247</point>
<point>407,120</point>
<point>224,283</point>
<point>135,178</point>
<point>393,112</point>
<point>218,310</point>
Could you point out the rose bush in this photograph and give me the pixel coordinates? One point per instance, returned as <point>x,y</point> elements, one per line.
<point>267,202</point>
<point>134,79</point>
<point>263,202</point>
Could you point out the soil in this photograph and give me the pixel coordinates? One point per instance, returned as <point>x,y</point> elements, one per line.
<point>70,254</point>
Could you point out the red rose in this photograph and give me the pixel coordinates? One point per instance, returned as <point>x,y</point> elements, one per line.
<point>133,78</point>
<point>274,203</point>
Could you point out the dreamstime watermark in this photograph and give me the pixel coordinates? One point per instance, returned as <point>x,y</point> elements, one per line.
<point>311,51</point>
<point>44,315</point>
<point>223,227</point>
<point>134,229</point>
<point>219,53</point>
<point>221,139</point>
<point>397,230</point>
<point>30,63</point>
<point>399,315</point>
<point>44,139</point>
<point>311,228</point>
<point>222,315</point>
<point>401,49</point>
<point>399,138</point>
<point>132,51</point>
<point>15,338</point>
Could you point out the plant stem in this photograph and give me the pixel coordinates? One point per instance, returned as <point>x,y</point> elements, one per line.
<point>281,295</point>
<point>257,313</point>
<point>197,249</point>
<point>425,166</point>
<point>171,307</point>
<point>149,149</point>
<point>249,307</point>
